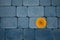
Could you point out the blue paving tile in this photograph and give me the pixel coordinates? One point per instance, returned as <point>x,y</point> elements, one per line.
<point>30,2</point>
<point>50,11</point>
<point>59,22</point>
<point>2,34</point>
<point>16,2</point>
<point>56,2</point>
<point>58,11</point>
<point>29,34</point>
<point>32,23</point>
<point>22,11</point>
<point>35,11</point>
<point>14,34</point>
<point>8,22</point>
<point>45,2</point>
<point>56,34</point>
<point>5,2</point>
<point>7,11</point>
<point>52,22</point>
<point>23,22</point>
<point>43,34</point>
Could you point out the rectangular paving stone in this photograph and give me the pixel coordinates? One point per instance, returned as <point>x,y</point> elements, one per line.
<point>22,11</point>
<point>5,2</point>
<point>30,2</point>
<point>8,22</point>
<point>56,2</point>
<point>14,34</point>
<point>22,22</point>
<point>43,34</point>
<point>29,34</point>
<point>58,22</point>
<point>7,11</point>
<point>16,2</point>
<point>32,23</point>
<point>52,22</point>
<point>58,11</point>
<point>35,11</point>
<point>45,2</point>
<point>56,34</point>
<point>50,11</point>
<point>2,32</point>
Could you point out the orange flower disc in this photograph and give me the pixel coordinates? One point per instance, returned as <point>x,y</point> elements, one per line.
<point>41,22</point>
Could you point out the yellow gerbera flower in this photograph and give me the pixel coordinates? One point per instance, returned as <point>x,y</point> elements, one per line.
<point>41,22</point>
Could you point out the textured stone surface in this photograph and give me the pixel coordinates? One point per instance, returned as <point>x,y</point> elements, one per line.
<point>50,11</point>
<point>16,2</point>
<point>2,32</point>
<point>5,2</point>
<point>58,11</point>
<point>32,23</point>
<point>43,34</point>
<point>14,34</point>
<point>8,22</point>
<point>35,11</point>
<point>29,34</point>
<point>56,34</point>
<point>22,11</point>
<point>7,11</point>
<point>18,19</point>
<point>23,22</point>
<point>56,2</point>
<point>30,2</point>
<point>58,22</point>
<point>45,2</point>
<point>52,22</point>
